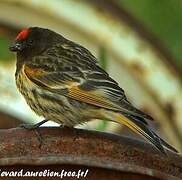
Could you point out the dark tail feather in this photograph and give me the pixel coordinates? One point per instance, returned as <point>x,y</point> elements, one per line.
<point>165,144</point>
<point>154,136</point>
<point>139,127</point>
<point>150,135</point>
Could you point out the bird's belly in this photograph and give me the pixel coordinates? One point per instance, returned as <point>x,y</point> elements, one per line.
<point>50,105</point>
<point>28,90</point>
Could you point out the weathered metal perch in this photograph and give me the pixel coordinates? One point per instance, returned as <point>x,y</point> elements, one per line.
<point>107,156</point>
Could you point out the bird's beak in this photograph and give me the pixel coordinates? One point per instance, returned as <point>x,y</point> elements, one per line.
<point>16,46</point>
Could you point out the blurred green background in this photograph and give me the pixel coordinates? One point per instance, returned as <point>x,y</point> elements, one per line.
<point>163,18</point>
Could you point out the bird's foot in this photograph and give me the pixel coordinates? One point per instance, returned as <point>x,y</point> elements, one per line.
<point>33,126</point>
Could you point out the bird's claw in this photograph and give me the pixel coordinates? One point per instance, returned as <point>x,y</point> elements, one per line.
<point>33,126</point>
<point>28,126</point>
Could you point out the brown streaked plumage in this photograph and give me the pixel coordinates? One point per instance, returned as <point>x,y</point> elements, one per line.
<point>62,81</point>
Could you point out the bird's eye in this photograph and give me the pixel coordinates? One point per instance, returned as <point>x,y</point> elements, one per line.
<point>30,42</point>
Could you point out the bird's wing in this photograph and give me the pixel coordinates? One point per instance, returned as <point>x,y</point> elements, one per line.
<point>93,87</point>
<point>57,81</point>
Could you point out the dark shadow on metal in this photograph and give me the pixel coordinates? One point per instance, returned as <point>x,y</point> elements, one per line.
<point>105,155</point>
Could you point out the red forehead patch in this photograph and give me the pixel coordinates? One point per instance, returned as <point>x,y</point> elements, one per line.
<point>23,34</point>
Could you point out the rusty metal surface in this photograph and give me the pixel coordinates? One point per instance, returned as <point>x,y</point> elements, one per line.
<point>64,146</point>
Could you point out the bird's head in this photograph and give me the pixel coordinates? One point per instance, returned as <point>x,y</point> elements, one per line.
<point>33,40</point>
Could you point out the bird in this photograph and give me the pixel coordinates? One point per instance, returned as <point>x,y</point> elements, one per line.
<point>63,82</point>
